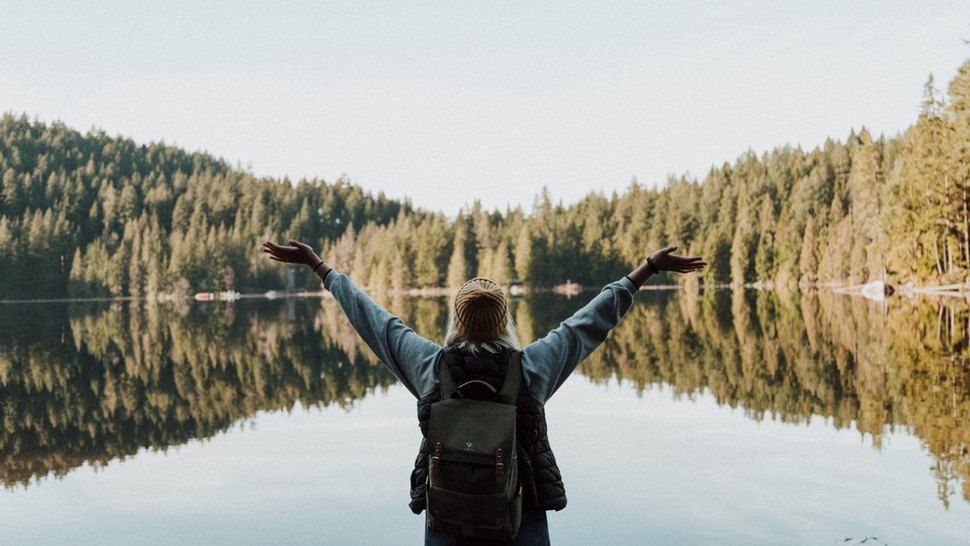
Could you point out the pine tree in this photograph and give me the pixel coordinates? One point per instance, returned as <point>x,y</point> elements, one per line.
<point>524,255</point>
<point>743,244</point>
<point>77,286</point>
<point>400,277</point>
<point>502,265</point>
<point>764,262</point>
<point>457,265</point>
<point>865,184</point>
<point>958,163</point>
<point>486,261</point>
<point>808,260</point>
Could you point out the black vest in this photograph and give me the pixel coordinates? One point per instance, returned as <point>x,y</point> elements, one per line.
<point>541,482</point>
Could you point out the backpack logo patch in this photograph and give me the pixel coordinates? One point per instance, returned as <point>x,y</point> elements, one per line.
<point>468,445</point>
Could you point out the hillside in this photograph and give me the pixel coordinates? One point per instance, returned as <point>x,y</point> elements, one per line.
<point>90,214</point>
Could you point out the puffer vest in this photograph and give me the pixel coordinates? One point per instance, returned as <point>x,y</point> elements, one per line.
<point>541,481</point>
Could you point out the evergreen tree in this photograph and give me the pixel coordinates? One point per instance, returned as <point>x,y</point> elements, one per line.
<point>458,266</point>
<point>524,255</point>
<point>743,245</point>
<point>808,260</point>
<point>957,183</point>
<point>502,265</point>
<point>764,262</point>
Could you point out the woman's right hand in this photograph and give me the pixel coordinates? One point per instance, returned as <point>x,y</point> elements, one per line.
<point>665,261</point>
<point>297,253</point>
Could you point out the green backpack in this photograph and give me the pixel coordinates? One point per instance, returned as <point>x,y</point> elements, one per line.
<point>473,476</point>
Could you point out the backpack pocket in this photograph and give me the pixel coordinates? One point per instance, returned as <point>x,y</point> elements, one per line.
<point>487,516</point>
<point>472,475</point>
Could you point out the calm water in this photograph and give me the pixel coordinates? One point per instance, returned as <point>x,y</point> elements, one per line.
<point>718,418</point>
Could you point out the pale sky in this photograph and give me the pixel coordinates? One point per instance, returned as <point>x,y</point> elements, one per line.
<point>448,102</point>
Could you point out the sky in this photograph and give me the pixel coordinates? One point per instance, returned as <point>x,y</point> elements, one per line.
<point>449,102</point>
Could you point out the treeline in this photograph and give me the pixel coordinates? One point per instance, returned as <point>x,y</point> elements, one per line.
<point>841,213</point>
<point>96,383</point>
<point>95,215</point>
<point>98,215</point>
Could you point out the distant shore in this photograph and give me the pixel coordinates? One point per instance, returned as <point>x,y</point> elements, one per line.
<point>876,290</point>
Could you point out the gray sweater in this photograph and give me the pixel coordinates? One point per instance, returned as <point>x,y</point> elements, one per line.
<point>546,363</point>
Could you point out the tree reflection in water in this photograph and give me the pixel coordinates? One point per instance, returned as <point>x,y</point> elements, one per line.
<point>90,383</point>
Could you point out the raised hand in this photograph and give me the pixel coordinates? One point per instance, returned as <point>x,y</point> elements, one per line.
<point>664,260</point>
<point>296,253</point>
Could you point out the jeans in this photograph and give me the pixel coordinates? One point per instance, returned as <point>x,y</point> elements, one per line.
<point>531,533</point>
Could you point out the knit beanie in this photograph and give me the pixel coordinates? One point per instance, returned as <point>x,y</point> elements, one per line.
<point>480,310</point>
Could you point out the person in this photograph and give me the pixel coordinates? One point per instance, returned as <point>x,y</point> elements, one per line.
<point>478,344</point>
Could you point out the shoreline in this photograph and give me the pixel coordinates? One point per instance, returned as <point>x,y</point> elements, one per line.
<point>872,291</point>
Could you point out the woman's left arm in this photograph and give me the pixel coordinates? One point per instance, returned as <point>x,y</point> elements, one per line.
<point>409,356</point>
<point>547,362</point>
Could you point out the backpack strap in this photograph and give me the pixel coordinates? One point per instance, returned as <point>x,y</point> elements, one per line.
<point>513,379</point>
<point>446,383</point>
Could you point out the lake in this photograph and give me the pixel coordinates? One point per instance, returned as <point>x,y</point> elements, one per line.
<point>719,417</point>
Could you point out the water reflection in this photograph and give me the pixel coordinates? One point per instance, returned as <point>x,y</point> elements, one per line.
<point>93,383</point>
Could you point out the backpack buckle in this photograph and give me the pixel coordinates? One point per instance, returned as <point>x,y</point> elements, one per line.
<point>499,467</point>
<point>436,459</point>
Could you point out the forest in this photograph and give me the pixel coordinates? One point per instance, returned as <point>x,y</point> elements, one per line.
<point>90,214</point>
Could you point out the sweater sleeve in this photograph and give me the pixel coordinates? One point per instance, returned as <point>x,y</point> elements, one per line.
<point>410,357</point>
<point>547,362</point>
